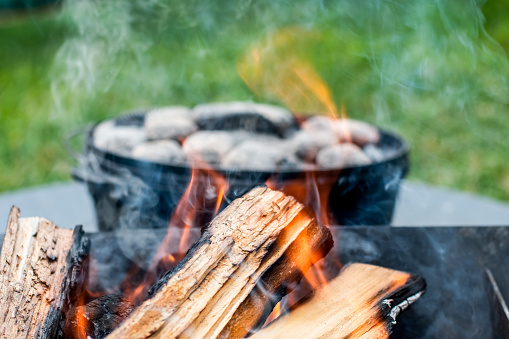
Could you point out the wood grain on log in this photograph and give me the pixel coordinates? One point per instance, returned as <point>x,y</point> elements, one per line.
<point>205,291</point>
<point>41,276</point>
<point>362,302</point>
<point>309,247</point>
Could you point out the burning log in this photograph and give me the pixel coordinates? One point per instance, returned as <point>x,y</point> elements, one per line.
<point>362,302</point>
<point>98,318</point>
<point>253,242</point>
<point>305,251</point>
<point>41,276</point>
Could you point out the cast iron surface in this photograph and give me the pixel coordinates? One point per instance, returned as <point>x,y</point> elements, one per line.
<point>459,300</point>
<point>358,195</point>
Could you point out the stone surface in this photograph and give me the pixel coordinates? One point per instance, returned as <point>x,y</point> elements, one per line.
<point>208,146</point>
<point>69,204</point>
<point>174,122</point>
<point>341,156</point>
<point>161,151</point>
<point>118,139</point>
<point>247,116</point>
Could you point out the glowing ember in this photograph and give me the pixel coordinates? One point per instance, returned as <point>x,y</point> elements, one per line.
<point>81,324</point>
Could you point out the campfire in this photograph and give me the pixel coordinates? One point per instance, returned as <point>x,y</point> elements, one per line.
<point>250,192</point>
<point>223,211</point>
<point>225,214</point>
<point>246,260</point>
<point>228,251</point>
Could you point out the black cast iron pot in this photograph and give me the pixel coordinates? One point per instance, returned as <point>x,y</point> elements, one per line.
<point>132,193</point>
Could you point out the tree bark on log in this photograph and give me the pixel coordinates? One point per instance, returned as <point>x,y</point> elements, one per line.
<point>362,302</point>
<point>209,289</point>
<point>41,275</point>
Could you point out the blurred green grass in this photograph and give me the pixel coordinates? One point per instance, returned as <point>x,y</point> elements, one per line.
<point>465,150</point>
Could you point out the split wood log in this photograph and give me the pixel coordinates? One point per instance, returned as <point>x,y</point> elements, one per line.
<point>253,242</point>
<point>279,280</point>
<point>41,276</point>
<point>362,302</point>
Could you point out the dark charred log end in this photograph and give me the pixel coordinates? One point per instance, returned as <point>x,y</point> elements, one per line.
<point>81,245</point>
<point>78,262</point>
<point>205,227</point>
<point>98,318</point>
<point>327,243</point>
<point>401,299</point>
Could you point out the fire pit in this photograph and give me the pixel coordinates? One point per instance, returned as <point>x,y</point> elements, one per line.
<point>130,191</point>
<point>463,268</point>
<point>261,247</point>
<point>459,302</point>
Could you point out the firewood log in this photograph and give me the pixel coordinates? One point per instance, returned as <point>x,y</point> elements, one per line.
<point>362,302</point>
<point>209,289</point>
<point>306,250</point>
<point>41,276</point>
<point>97,318</point>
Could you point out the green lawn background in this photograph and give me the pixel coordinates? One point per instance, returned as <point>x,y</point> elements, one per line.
<point>436,75</point>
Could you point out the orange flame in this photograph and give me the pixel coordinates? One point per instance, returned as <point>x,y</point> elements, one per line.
<point>315,278</point>
<point>277,68</point>
<point>274,69</point>
<point>314,195</point>
<point>201,202</point>
<point>81,324</point>
<point>276,312</point>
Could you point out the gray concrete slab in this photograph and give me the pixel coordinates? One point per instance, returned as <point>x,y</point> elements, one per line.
<point>424,205</point>
<point>68,204</point>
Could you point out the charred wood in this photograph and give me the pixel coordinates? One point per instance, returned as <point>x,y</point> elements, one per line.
<point>98,318</point>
